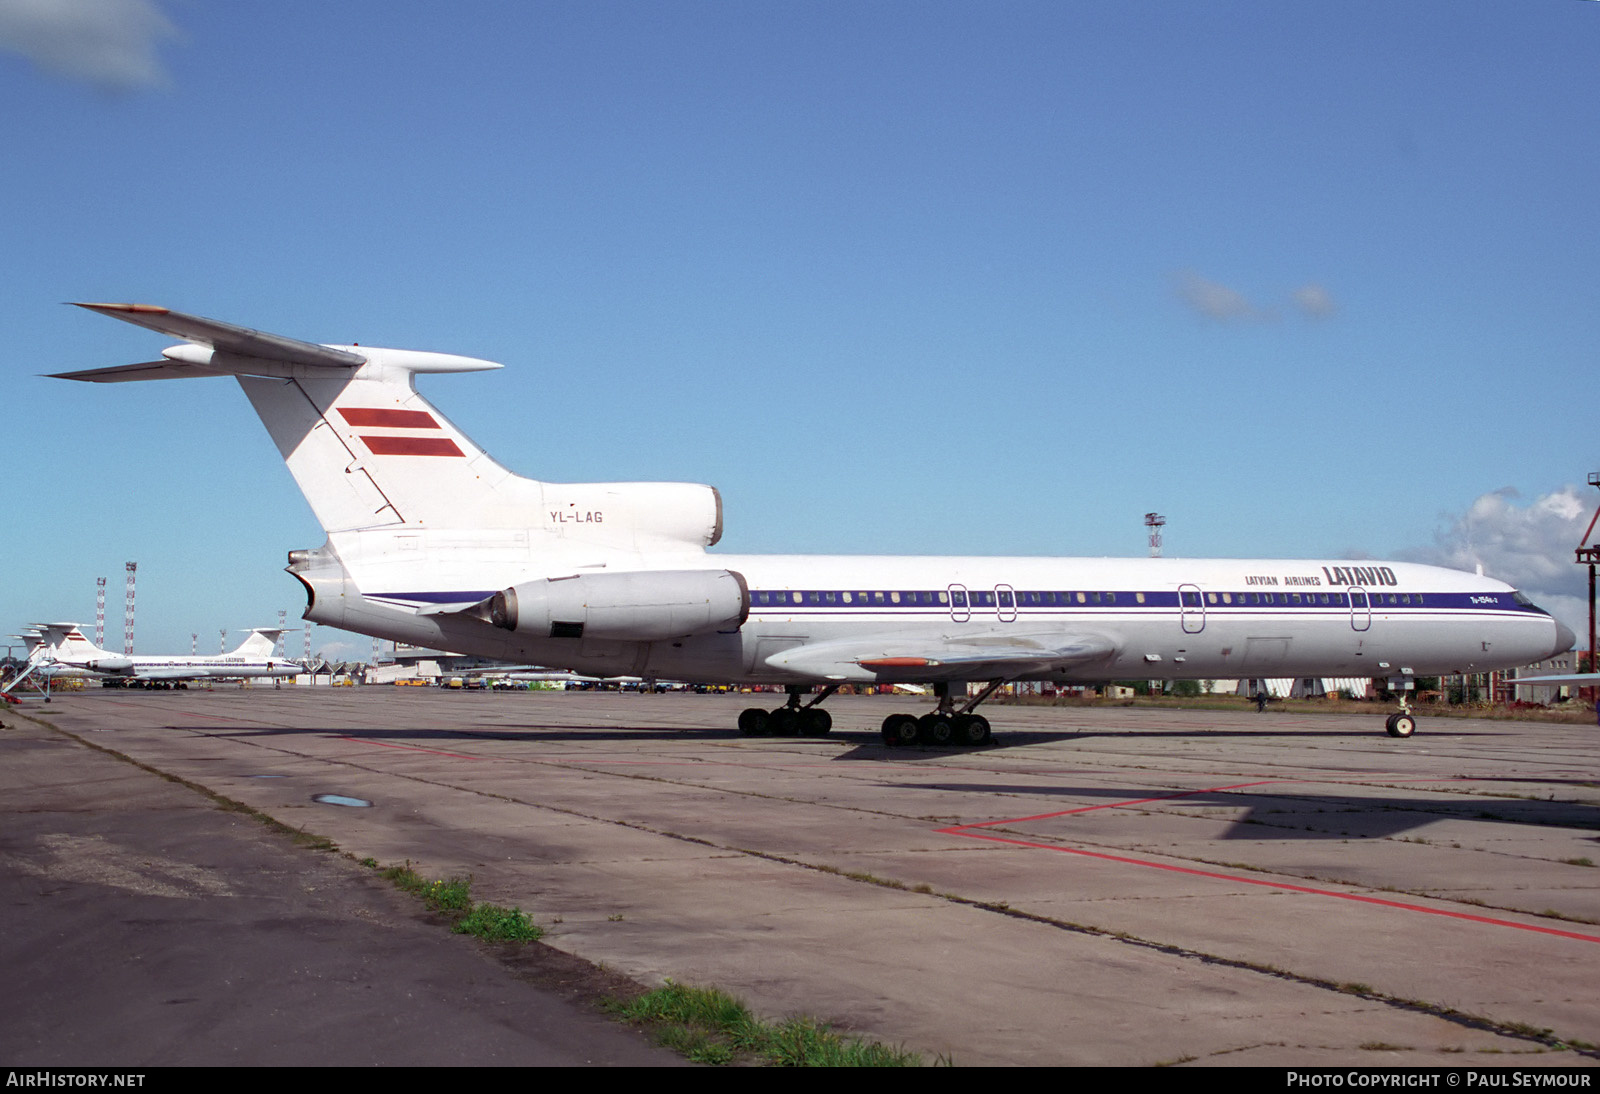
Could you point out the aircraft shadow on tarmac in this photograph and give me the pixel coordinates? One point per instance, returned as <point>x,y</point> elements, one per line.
<point>866,745</point>
<point>525,733</point>
<point>1272,811</point>
<point>1277,812</point>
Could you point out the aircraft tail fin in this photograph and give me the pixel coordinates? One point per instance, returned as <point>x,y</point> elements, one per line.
<point>66,641</point>
<point>260,642</point>
<point>366,450</point>
<point>374,457</point>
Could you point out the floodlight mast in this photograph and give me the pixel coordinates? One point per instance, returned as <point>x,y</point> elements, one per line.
<point>1590,555</point>
<point>1154,522</point>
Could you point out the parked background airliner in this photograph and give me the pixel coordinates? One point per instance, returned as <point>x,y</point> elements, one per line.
<point>64,650</point>
<point>432,542</point>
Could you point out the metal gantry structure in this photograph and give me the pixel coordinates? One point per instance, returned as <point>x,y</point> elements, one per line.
<point>127,618</point>
<point>1154,522</point>
<point>1589,555</point>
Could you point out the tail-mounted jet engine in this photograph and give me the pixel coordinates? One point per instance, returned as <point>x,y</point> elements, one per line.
<point>644,606</point>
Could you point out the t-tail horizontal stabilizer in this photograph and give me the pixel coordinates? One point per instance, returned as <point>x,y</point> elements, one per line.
<point>215,348</point>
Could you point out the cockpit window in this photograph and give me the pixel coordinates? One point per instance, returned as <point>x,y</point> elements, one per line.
<point>1524,602</point>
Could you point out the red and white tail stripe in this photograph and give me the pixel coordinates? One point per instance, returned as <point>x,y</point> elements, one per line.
<point>398,444</point>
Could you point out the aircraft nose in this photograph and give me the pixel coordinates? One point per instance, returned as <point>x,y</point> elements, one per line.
<point>1565,639</point>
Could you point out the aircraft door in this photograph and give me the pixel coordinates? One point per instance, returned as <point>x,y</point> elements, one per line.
<point>1005,603</point>
<point>960,612</point>
<point>1360,609</point>
<point>1191,609</point>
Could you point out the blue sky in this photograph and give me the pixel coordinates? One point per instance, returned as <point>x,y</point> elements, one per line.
<point>976,278</point>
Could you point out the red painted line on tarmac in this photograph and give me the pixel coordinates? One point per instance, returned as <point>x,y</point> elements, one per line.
<point>957,831</point>
<point>967,830</point>
<point>410,748</point>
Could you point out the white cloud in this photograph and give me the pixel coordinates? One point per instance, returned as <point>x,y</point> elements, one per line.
<point>108,43</point>
<point>1214,300</point>
<point>1529,546</point>
<point>1314,301</point>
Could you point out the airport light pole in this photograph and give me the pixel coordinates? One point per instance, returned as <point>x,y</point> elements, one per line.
<point>1154,522</point>
<point>127,615</point>
<point>1590,555</point>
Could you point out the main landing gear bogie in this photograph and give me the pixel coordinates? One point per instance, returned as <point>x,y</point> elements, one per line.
<point>937,729</point>
<point>945,725</point>
<point>792,720</point>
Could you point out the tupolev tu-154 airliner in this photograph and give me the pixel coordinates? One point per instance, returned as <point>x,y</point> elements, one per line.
<point>62,650</point>
<point>431,542</point>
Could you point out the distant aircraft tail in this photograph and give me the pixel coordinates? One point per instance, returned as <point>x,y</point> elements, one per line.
<point>66,642</point>
<point>260,643</point>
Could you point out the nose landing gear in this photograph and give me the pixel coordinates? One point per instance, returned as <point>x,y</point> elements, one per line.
<point>1403,723</point>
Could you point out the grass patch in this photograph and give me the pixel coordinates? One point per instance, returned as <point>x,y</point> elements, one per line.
<point>453,899</point>
<point>497,924</point>
<point>441,896</point>
<point>712,1027</point>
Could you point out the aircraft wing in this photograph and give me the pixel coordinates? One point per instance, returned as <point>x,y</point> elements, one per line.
<point>887,658</point>
<point>1586,679</point>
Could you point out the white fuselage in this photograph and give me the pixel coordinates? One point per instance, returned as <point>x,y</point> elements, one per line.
<point>814,618</point>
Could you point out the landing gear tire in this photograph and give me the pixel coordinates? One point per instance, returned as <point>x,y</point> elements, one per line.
<point>972,730</point>
<point>899,729</point>
<point>1400,725</point>
<point>815,722</point>
<point>754,722</point>
<point>935,729</point>
<point>784,722</point>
